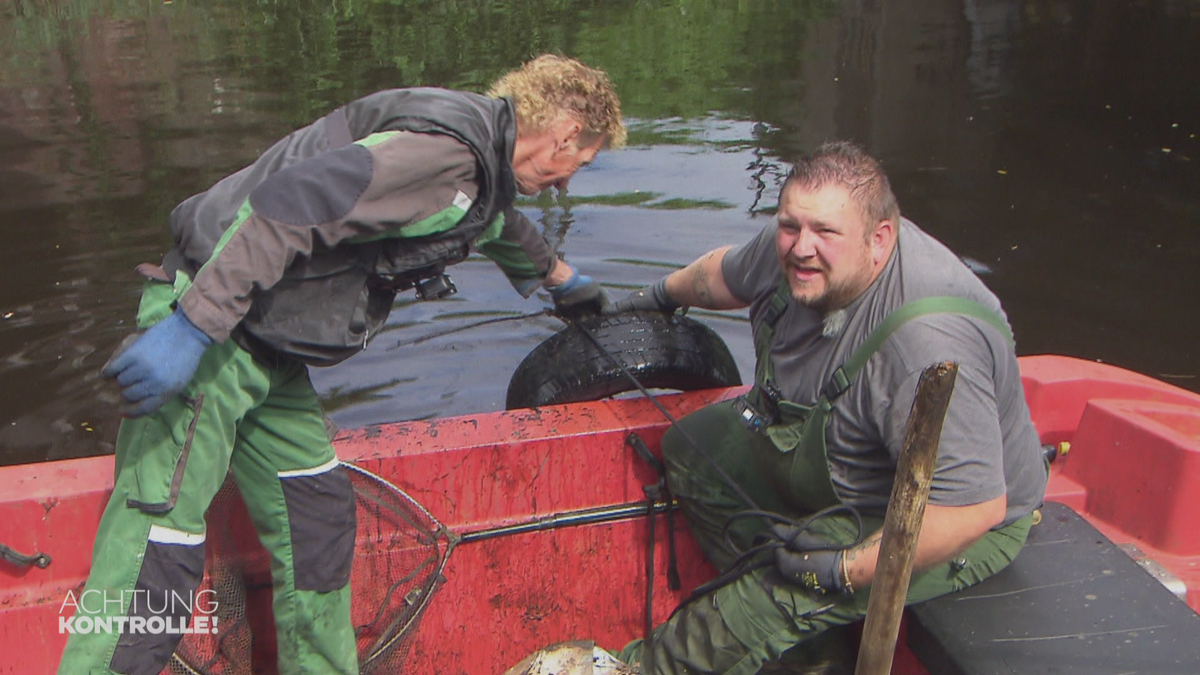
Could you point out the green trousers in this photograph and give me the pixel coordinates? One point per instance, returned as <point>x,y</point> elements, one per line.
<point>758,617</point>
<point>265,425</point>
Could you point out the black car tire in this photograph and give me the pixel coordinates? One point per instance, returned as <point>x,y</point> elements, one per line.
<point>662,351</point>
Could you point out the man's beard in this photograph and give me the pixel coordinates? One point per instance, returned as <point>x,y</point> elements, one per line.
<point>833,323</point>
<point>835,297</point>
<point>838,294</point>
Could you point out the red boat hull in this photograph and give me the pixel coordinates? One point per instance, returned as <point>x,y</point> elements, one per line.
<point>1133,471</point>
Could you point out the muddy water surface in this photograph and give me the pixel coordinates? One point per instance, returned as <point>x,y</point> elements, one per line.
<point>1053,143</point>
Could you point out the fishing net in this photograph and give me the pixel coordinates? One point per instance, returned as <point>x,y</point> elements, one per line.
<point>227,651</point>
<point>400,553</point>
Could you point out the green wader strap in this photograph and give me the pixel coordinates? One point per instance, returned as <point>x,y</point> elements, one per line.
<point>841,379</point>
<point>763,371</point>
<point>801,468</point>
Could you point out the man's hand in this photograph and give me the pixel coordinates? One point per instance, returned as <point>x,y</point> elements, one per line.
<point>801,561</point>
<point>158,364</point>
<point>579,295</point>
<point>653,298</point>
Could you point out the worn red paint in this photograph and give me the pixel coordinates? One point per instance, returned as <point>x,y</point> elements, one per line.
<point>506,597</point>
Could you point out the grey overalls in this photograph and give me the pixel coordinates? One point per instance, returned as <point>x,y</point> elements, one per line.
<point>758,617</point>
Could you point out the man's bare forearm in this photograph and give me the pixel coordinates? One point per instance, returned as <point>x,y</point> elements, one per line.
<point>946,531</point>
<point>702,283</point>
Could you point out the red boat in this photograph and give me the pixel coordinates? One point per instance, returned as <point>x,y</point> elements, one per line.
<point>545,533</point>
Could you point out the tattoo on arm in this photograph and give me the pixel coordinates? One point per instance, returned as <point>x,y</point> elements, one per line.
<point>701,285</point>
<point>871,542</point>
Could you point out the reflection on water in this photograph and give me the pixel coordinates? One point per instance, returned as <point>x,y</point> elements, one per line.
<point>993,26</point>
<point>1051,142</point>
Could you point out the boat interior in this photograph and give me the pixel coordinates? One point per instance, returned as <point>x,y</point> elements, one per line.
<point>1109,582</point>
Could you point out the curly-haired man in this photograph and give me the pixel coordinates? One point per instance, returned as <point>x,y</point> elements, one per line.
<point>292,261</point>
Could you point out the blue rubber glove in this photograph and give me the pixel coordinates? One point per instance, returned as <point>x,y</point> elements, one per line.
<point>158,364</point>
<point>579,295</point>
<point>801,561</point>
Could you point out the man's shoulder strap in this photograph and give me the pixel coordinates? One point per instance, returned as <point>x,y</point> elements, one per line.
<point>840,381</point>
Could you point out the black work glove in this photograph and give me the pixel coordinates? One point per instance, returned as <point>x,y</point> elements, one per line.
<point>578,296</point>
<point>801,562</point>
<point>653,298</point>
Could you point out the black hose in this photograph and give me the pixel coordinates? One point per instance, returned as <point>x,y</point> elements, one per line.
<point>671,418</point>
<point>477,324</point>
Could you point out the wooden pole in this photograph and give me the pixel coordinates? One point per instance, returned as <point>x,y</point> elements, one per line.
<point>902,524</point>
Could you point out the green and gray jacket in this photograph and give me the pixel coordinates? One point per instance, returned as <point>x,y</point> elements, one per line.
<point>301,253</point>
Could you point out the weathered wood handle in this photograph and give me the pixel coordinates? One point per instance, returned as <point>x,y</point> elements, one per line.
<point>902,524</point>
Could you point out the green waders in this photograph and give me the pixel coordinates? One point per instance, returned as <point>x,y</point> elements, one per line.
<point>266,425</point>
<point>757,617</point>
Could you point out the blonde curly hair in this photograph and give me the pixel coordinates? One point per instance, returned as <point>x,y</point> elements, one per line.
<point>550,86</point>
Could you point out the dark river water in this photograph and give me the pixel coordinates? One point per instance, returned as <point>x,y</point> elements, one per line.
<point>1054,143</point>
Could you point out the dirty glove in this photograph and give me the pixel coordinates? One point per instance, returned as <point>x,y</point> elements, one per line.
<point>653,298</point>
<point>578,296</point>
<point>800,561</point>
<point>157,364</point>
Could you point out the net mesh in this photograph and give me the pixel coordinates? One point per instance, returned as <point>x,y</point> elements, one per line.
<point>227,651</point>
<point>400,553</point>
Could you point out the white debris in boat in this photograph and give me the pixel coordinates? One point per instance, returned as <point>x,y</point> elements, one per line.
<point>571,658</point>
<point>607,664</point>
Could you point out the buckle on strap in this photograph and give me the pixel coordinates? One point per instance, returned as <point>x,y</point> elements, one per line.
<point>771,314</point>
<point>838,383</point>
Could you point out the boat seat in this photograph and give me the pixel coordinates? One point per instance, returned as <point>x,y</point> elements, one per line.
<point>1072,603</point>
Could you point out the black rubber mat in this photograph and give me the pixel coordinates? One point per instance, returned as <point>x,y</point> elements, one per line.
<point>1072,603</point>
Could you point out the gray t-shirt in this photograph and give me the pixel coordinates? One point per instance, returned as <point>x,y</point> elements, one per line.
<point>988,447</point>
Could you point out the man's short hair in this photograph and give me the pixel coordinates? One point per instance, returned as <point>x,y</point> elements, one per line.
<point>545,88</point>
<point>848,165</point>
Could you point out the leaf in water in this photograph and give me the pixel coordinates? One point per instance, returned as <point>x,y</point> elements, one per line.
<point>635,198</point>
<point>646,263</point>
<point>680,204</point>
